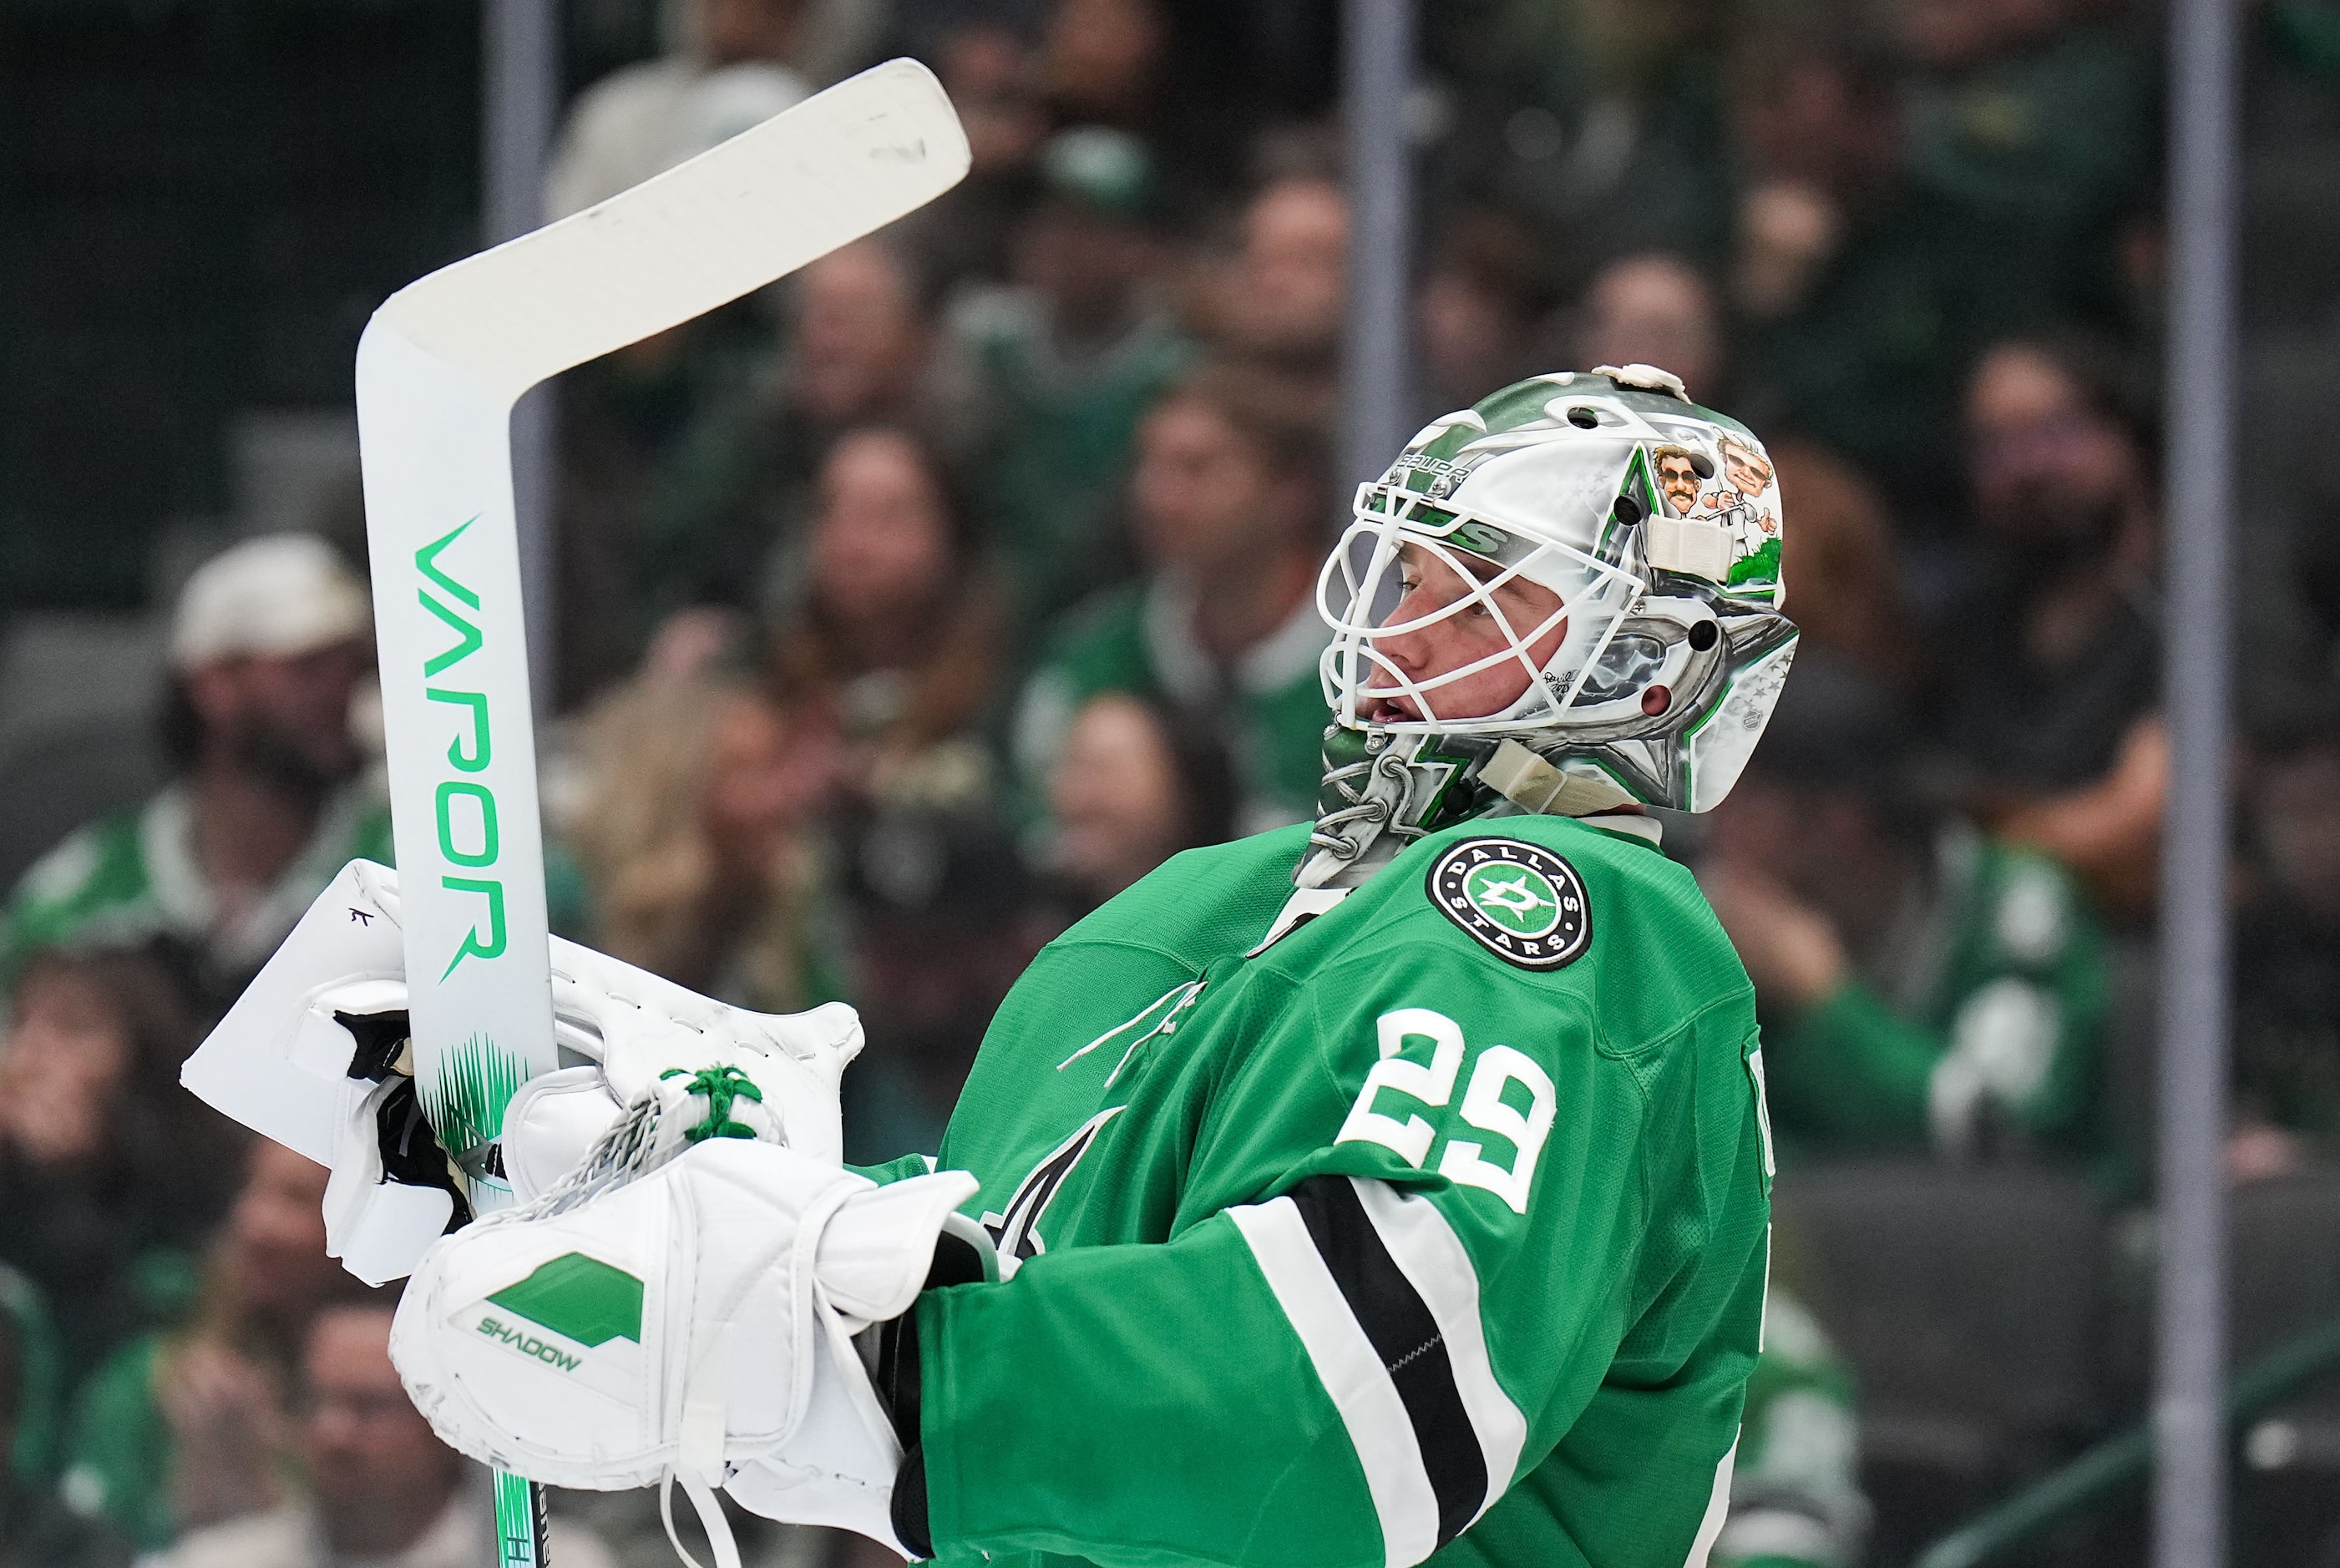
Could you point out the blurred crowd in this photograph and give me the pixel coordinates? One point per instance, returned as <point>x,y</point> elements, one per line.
<point>912,608</point>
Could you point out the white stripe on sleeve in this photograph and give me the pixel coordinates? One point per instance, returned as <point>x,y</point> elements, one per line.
<point>1347,1364</point>
<point>1718,1510</point>
<point>1431,1258</point>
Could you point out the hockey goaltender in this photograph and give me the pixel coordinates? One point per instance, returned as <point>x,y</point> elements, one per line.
<point>1390,1188</point>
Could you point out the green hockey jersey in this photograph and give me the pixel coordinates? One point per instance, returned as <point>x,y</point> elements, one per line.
<point>1438,1226</point>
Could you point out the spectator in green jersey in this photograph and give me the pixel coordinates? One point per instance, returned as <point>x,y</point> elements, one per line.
<point>267,650</point>
<point>1922,986</point>
<point>1057,369</point>
<point>1229,505</point>
<point>185,1426</point>
<point>37,1529</point>
<point>1795,1492</point>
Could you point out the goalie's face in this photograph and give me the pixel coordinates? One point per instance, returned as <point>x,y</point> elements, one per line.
<point>1464,640</point>
<point>1451,623</point>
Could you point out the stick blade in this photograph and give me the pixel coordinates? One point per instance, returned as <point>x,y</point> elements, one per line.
<point>839,165</point>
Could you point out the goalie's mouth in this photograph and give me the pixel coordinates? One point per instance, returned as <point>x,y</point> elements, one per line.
<point>1392,709</point>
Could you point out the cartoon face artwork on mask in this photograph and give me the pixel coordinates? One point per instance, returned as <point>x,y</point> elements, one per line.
<point>1719,514</point>
<point>1680,473</point>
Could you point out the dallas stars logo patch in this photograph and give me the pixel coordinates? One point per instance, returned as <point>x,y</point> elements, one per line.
<point>1519,900</point>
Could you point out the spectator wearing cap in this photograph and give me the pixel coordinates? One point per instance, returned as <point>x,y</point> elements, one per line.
<point>1230,509</point>
<point>1057,369</point>
<point>268,648</point>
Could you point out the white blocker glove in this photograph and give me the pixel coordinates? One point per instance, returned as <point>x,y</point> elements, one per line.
<point>314,1055</point>
<point>692,1325</point>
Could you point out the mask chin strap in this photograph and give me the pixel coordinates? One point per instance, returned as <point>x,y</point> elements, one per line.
<point>1535,784</point>
<point>1375,804</point>
<point>1367,796</point>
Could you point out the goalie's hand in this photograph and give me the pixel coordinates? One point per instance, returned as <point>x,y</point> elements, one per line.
<point>330,1008</point>
<point>694,1322</point>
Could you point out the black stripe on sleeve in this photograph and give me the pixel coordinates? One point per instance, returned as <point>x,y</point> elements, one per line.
<point>1398,1324</point>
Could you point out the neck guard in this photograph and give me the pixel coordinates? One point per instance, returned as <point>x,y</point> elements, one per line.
<point>1381,792</point>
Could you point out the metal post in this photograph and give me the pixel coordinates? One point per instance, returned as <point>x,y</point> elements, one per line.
<point>1377,71</point>
<point>2190,1472</point>
<point>523,93</point>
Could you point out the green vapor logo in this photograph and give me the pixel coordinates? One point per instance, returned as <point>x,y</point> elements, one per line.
<point>468,832</point>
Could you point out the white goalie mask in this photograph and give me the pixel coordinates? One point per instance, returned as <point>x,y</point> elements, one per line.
<point>1654,523</point>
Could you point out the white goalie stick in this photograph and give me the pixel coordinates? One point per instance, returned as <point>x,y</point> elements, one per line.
<point>438,371</point>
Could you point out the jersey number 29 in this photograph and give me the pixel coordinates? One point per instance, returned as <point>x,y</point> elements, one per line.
<point>1463,1161</point>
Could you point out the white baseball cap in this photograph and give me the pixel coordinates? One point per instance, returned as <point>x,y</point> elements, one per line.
<point>275,597</point>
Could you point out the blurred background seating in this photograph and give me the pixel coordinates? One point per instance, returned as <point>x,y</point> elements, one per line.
<point>912,607</point>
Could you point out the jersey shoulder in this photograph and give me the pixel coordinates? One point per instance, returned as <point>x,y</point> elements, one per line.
<point>1207,903</point>
<point>1552,911</point>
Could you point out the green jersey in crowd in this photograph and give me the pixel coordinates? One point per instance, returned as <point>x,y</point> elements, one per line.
<point>1984,1017</point>
<point>1437,1224</point>
<point>1795,1490</point>
<point>1139,639</point>
<point>1056,424</point>
<point>133,877</point>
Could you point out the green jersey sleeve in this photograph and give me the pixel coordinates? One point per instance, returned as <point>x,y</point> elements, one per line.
<point>1440,1232</point>
<point>2008,1036</point>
